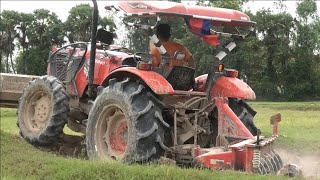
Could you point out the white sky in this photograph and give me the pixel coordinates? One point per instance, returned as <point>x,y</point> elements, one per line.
<point>62,7</point>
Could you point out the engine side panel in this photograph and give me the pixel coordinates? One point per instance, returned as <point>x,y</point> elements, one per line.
<point>103,66</point>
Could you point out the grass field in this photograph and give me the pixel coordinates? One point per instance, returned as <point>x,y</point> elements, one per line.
<point>299,130</point>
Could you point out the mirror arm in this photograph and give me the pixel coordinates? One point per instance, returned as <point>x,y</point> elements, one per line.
<point>233,35</point>
<point>214,74</point>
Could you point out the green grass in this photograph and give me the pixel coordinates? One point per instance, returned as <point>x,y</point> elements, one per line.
<point>20,160</point>
<point>299,127</point>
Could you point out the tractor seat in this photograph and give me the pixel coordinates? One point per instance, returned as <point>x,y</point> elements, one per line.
<point>181,77</point>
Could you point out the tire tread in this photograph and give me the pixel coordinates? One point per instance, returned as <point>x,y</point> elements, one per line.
<point>60,109</point>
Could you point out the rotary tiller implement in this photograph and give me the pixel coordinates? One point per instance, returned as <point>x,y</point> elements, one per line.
<point>235,146</point>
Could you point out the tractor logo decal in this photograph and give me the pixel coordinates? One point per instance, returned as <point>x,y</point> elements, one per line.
<point>101,62</point>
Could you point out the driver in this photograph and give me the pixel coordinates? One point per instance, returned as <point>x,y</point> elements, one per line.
<point>163,34</point>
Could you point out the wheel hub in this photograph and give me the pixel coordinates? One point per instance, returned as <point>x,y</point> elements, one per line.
<point>117,136</point>
<point>42,109</point>
<point>38,111</point>
<point>112,133</point>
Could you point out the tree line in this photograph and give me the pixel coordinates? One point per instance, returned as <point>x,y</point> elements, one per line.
<point>33,35</point>
<point>280,63</point>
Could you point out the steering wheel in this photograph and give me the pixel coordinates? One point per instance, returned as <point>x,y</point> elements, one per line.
<point>145,57</point>
<point>118,49</point>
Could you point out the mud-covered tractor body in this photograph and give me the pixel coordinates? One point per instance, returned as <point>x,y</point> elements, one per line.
<point>134,112</point>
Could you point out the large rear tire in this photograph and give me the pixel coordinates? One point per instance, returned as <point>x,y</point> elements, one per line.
<point>245,114</point>
<point>126,124</point>
<point>43,110</point>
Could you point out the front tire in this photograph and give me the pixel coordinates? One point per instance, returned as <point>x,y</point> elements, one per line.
<point>126,124</point>
<point>43,110</point>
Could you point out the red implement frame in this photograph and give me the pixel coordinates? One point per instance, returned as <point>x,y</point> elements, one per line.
<point>242,155</point>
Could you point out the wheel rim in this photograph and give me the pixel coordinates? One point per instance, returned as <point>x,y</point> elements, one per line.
<point>37,111</point>
<point>111,133</point>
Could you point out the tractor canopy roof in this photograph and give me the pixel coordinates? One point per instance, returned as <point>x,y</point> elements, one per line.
<point>201,21</point>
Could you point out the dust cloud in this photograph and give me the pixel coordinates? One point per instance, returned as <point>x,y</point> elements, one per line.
<point>309,163</point>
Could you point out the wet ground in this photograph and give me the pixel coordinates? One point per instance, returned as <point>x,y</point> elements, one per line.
<point>69,146</point>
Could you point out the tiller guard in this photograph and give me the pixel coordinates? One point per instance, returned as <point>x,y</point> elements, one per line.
<point>248,153</point>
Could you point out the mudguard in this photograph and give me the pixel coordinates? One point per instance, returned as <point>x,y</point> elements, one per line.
<point>155,81</point>
<point>227,87</point>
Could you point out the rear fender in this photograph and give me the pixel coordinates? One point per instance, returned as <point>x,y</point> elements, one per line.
<point>227,87</point>
<point>155,81</point>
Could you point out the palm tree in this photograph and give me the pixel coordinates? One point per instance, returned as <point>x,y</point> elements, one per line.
<point>26,21</point>
<point>10,20</point>
<point>78,24</point>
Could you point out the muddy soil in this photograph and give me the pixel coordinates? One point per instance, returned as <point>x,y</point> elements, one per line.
<point>69,146</point>
<point>309,163</point>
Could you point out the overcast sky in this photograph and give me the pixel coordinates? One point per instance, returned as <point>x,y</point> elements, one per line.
<point>62,7</point>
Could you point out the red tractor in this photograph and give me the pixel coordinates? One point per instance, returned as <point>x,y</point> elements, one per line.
<point>130,111</point>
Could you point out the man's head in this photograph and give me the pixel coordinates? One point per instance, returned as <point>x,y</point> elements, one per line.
<point>163,32</point>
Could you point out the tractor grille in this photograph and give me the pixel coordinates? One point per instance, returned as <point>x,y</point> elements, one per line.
<point>64,67</point>
<point>58,65</point>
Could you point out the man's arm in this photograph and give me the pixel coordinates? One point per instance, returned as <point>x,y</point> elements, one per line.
<point>156,57</point>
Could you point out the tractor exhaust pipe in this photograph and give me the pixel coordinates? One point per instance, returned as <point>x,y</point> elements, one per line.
<point>93,47</point>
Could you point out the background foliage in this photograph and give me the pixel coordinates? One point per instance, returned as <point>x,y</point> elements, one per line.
<point>281,63</point>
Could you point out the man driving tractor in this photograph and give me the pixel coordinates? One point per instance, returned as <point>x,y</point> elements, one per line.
<point>163,33</point>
